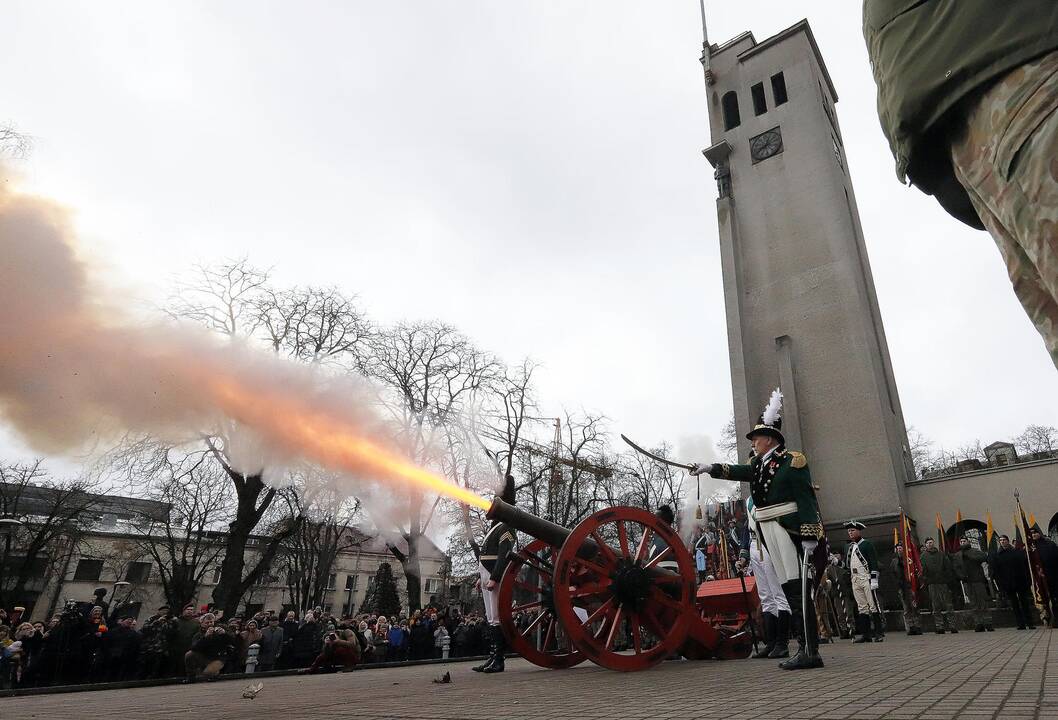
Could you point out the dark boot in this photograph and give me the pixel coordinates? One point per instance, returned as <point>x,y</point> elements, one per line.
<point>492,653</point>
<point>501,647</point>
<point>979,628</point>
<point>769,623</point>
<point>781,646</point>
<point>863,629</point>
<point>914,631</point>
<point>879,627</point>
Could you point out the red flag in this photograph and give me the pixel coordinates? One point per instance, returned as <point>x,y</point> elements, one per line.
<point>912,559</point>
<point>1039,580</point>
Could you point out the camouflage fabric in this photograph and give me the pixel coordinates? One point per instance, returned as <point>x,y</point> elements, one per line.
<point>1007,159</point>
<point>940,599</point>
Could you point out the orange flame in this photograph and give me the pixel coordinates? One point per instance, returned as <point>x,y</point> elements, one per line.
<point>327,440</point>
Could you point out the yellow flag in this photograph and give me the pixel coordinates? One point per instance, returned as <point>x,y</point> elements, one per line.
<point>990,529</point>
<point>958,516</point>
<point>896,538</point>
<point>1032,520</point>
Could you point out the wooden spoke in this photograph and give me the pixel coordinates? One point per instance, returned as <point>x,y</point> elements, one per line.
<point>604,547</point>
<point>587,589</point>
<point>602,609</point>
<point>593,567</point>
<point>550,634</point>
<point>614,628</point>
<point>534,623</point>
<point>622,537</point>
<point>644,544</point>
<point>526,606</point>
<point>529,588</point>
<point>658,558</point>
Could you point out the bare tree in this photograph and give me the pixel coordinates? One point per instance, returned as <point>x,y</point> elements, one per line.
<point>430,371</point>
<point>13,144</point>
<point>188,541</point>
<point>727,445</point>
<point>650,484</point>
<point>54,516</point>
<point>921,447</point>
<point>1037,439</point>
<point>308,555</point>
<point>223,297</point>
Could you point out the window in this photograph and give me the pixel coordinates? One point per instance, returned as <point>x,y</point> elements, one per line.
<point>88,570</point>
<point>730,107</point>
<point>433,586</point>
<point>351,581</point>
<point>760,103</point>
<point>138,572</point>
<point>778,88</point>
<point>332,579</point>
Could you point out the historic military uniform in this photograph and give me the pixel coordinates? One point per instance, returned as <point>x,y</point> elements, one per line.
<point>837,585</point>
<point>499,541</point>
<point>775,610</point>
<point>786,518</point>
<point>937,575</point>
<point>862,560</point>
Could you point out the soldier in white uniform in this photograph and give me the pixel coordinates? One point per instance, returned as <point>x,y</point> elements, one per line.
<point>773,604</point>
<point>863,562</point>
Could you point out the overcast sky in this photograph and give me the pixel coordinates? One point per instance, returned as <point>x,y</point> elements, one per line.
<point>528,172</point>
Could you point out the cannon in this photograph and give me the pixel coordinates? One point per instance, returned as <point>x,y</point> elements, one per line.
<point>619,590</point>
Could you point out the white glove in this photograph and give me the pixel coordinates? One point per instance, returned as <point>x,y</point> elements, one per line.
<point>809,546</point>
<point>700,468</point>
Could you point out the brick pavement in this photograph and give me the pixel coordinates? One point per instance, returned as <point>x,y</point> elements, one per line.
<point>1006,674</point>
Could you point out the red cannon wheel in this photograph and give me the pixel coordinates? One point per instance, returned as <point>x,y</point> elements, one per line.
<point>526,587</point>
<point>619,608</point>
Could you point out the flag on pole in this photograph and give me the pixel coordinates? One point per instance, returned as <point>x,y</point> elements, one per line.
<point>1032,520</point>
<point>958,527</point>
<point>1039,580</point>
<point>1019,542</point>
<point>896,537</point>
<point>940,535</point>
<point>990,535</point>
<point>912,559</point>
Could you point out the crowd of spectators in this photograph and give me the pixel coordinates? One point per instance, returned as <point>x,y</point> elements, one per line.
<point>81,645</point>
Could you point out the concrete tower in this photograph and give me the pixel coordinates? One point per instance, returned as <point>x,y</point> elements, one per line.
<point>802,312</point>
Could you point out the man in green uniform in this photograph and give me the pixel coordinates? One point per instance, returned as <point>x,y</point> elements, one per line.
<point>937,575</point>
<point>862,560</point>
<point>968,99</point>
<point>968,564</point>
<point>898,566</point>
<point>786,519</point>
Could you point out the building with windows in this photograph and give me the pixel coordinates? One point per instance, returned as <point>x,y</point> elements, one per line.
<point>110,551</point>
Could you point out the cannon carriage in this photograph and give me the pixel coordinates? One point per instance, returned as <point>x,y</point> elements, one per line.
<point>618,589</point>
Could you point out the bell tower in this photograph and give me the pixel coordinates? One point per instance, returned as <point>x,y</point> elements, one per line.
<point>802,312</point>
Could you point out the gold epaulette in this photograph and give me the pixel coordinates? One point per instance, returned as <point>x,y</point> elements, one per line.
<point>798,460</point>
<point>813,530</point>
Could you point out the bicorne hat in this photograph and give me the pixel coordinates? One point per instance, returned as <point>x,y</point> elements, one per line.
<point>770,421</point>
<point>855,524</point>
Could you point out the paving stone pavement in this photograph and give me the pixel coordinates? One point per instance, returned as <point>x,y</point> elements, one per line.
<point>1006,674</point>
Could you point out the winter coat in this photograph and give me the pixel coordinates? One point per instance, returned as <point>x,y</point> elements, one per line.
<point>928,58</point>
<point>1011,569</point>
<point>967,565</point>
<point>936,568</point>
<point>272,639</point>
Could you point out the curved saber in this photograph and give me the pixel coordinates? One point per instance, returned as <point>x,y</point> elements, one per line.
<point>652,456</point>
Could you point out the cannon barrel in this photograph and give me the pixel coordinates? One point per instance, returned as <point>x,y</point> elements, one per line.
<point>551,533</point>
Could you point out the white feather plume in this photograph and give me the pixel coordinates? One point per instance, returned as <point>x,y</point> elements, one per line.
<point>772,412</point>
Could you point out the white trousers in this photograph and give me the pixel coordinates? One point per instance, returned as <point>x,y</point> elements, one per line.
<point>769,589</point>
<point>861,593</point>
<point>491,597</point>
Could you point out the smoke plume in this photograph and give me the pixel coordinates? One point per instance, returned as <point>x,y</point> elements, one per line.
<point>75,371</point>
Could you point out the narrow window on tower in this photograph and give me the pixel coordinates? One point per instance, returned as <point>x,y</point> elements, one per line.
<point>730,106</point>
<point>778,88</point>
<point>760,103</point>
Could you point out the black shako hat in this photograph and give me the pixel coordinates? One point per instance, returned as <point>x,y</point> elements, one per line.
<point>508,494</point>
<point>770,421</point>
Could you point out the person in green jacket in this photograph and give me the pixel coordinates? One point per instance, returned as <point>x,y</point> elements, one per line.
<point>937,574</point>
<point>862,559</point>
<point>969,568</point>
<point>785,516</point>
<point>967,97</point>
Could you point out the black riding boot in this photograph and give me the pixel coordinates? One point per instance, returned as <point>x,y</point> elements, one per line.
<point>492,651</point>
<point>879,626</point>
<point>768,623</point>
<point>781,647</point>
<point>501,647</point>
<point>804,617</point>
<point>863,629</point>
